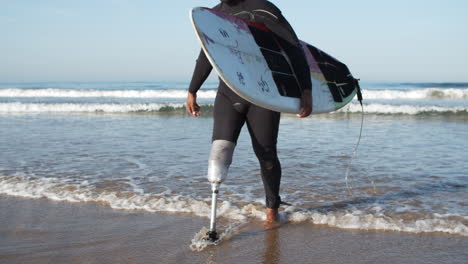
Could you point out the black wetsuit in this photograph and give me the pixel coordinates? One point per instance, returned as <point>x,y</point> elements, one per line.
<point>231,111</point>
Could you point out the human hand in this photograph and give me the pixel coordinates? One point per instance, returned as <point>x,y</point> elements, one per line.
<point>306,104</point>
<point>192,107</point>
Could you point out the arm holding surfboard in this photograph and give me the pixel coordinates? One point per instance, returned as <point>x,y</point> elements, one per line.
<point>273,19</point>
<point>203,69</point>
<point>306,103</point>
<point>201,73</point>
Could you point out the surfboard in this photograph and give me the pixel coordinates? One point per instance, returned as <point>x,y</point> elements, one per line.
<point>250,60</point>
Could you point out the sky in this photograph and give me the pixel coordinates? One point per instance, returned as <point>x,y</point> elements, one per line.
<point>153,40</point>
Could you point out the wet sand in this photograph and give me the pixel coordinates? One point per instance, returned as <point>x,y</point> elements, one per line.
<point>44,231</point>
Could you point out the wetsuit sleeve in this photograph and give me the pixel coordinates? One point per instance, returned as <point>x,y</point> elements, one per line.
<point>202,68</point>
<point>273,19</point>
<point>200,74</point>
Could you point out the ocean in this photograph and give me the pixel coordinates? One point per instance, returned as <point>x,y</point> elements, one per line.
<point>131,146</point>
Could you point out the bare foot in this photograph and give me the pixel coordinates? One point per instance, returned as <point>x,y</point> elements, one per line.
<point>272,219</point>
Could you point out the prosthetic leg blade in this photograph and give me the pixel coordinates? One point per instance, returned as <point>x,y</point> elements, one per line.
<point>212,235</point>
<point>218,166</point>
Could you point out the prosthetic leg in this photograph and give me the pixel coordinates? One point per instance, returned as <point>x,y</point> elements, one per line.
<point>218,165</point>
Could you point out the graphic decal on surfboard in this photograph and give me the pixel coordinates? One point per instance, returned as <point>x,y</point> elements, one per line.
<point>250,60</point>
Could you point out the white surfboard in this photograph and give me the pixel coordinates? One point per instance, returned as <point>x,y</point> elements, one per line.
<point>248,59</point>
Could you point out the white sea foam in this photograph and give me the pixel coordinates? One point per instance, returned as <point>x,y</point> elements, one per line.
<point>156,107</point>
<point>64,93</point>
<point>428,93</point>
<point>362,220</point>
<point>387,94</point>
<point>56,189</point>
<point>83,108</point>
<point>402,109</point>
<point>60,190</point>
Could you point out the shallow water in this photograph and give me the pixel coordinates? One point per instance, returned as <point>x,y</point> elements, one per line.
<point>410,172</point>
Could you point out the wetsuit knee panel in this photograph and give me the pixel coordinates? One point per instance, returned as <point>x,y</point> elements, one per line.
<point>267,156</point>
<point>265,153</point>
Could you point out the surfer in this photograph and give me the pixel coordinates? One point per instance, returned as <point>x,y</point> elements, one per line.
<point>231,111</point>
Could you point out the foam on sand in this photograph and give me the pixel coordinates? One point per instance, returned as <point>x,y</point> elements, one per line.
<point>60,190</point>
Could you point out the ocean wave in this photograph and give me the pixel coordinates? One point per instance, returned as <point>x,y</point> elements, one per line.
<point>436,85</point>
<point>428,93</point>
<point>387,109</point>
<point>60,190</point>
<point>88,108</point>
<point>378,221</point>
<point>379,109</point>
<point>386,94</point>
<point>65,93</point>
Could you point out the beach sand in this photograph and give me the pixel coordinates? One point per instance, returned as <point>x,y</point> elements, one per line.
<point>45,231</point>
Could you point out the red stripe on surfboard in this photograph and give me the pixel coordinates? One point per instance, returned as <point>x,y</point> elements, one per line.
<point>259,26</point>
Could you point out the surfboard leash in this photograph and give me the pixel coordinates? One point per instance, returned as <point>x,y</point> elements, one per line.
<point>360,98</point>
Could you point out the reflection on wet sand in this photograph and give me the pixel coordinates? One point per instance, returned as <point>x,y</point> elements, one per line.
<point>272,250</point>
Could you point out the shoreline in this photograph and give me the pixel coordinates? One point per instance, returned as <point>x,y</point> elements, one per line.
<point>45,231</point>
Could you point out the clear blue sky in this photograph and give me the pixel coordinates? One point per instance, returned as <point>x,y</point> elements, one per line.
<point>113,40</point>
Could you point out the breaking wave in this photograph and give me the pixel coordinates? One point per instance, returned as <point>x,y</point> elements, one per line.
<point>387,94</point>
<point>387,109</point>
<point>381,109</point>
<point>435,84</point>
<point>68,93</point>
<point>428,93</point>
<point>88,108</point>
<point>60,190</point>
